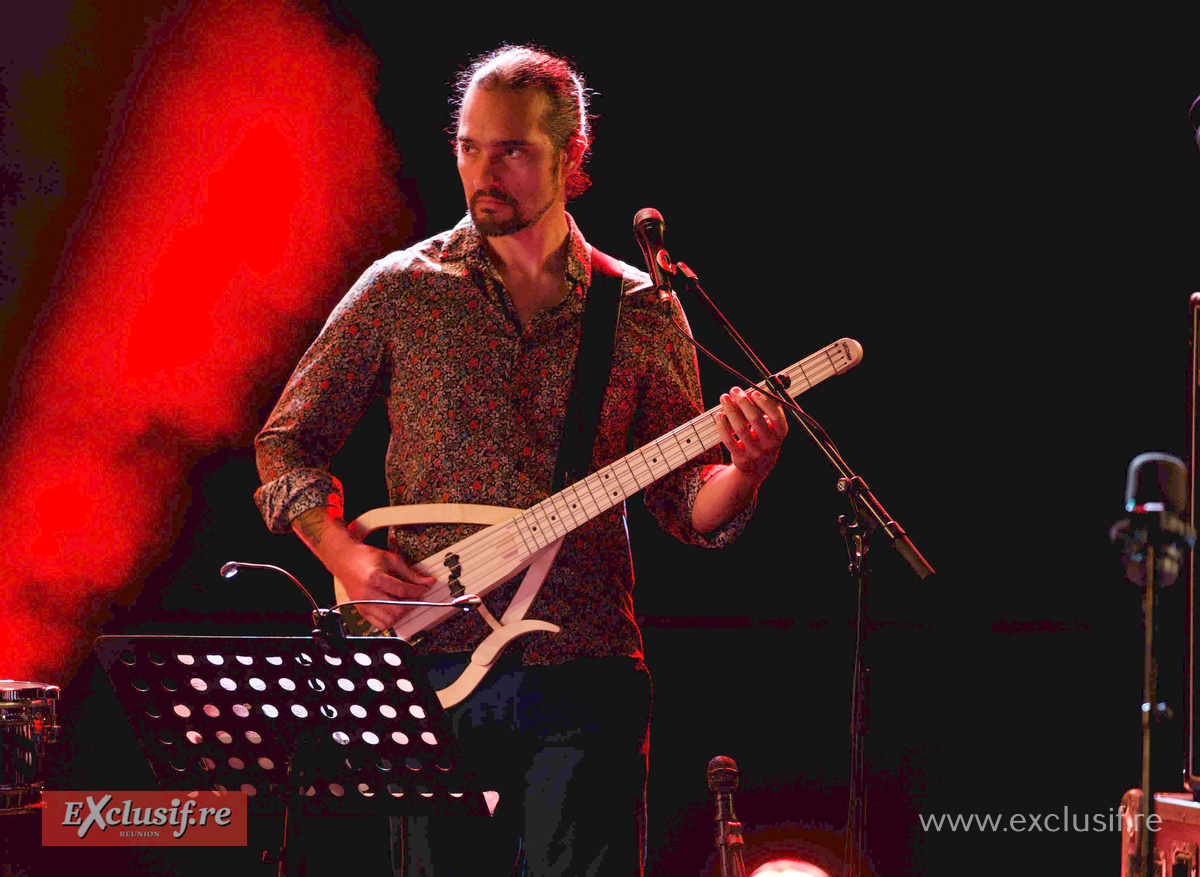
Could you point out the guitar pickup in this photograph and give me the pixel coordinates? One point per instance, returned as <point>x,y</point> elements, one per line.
<point>452,563</point>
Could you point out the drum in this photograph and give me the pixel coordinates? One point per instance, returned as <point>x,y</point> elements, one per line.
<point>27,724</point>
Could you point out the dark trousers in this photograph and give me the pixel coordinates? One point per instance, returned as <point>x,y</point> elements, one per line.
<point>566,747</point>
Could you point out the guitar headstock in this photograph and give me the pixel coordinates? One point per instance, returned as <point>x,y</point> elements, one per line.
<point>835,359</point>
<point>851,351</point>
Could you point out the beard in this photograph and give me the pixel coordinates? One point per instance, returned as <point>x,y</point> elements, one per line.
<point>495,227</point>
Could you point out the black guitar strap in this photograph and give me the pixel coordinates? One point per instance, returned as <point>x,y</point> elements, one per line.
<point>593,363</point>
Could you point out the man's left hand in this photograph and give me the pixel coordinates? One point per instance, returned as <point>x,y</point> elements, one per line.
<point>752,426</point>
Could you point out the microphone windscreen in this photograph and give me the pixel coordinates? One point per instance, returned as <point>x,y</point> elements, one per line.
<point>722,774</point>
<point>646,213</point>
<point>1156,478</point>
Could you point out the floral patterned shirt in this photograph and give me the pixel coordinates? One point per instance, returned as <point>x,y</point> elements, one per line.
<point>476,409</point>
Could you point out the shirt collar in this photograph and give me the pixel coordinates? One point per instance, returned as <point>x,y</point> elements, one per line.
<point>464,246</point>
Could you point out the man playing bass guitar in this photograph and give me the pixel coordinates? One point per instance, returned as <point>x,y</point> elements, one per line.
<point>472,336</point>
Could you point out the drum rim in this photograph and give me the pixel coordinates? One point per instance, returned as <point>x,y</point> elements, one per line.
<point>16,690</point>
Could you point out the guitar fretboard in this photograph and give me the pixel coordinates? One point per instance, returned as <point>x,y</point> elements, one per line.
<point>570,508</point>
<point>487,558</point>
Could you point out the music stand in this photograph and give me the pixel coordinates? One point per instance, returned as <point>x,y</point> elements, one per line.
<point>307,725</point>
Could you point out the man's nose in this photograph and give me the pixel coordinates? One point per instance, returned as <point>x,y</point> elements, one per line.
<point>488,172</point>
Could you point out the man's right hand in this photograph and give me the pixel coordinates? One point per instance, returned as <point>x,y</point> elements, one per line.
<point>366,572</point>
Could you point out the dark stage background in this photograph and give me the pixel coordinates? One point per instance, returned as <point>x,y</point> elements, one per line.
<point>1002,213</point>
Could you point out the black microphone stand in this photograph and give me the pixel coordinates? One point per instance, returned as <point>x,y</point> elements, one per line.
<point>867,516</point>
<point>722,777</point>
<point>1153,540</point>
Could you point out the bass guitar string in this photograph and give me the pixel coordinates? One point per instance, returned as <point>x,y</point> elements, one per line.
<point>812,370</point>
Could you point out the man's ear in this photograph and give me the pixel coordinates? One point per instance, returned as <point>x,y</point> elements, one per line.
<point>573,154</point>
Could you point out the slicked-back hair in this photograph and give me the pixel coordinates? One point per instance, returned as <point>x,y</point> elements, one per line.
<point>512,68</point>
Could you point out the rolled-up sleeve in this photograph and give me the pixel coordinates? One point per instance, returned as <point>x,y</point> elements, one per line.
<point>671,396</point>
<point>326,395</point>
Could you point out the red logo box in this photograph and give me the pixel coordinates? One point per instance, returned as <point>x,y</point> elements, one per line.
<point>113,819</point>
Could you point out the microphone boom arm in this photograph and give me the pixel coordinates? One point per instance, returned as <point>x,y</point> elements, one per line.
<point>865,502</point>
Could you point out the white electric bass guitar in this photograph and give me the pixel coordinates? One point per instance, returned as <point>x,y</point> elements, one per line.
<point>529,539</point>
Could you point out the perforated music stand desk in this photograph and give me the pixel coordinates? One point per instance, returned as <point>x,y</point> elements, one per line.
<point>324,726</point>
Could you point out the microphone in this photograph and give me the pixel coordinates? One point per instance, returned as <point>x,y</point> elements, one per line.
<point>1156,498</point>
<point>648,228</point>
<point>722,776</point>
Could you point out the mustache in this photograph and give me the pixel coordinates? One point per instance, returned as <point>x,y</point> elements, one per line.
<point>495,194</point>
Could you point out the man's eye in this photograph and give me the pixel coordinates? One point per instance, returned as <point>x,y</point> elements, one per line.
<point>514,152</point>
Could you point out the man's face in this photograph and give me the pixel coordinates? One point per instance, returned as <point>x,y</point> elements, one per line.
<point>511,172</point>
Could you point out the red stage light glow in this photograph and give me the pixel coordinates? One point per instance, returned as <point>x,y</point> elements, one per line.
<point>251,166</point>
<point>789,868</point>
